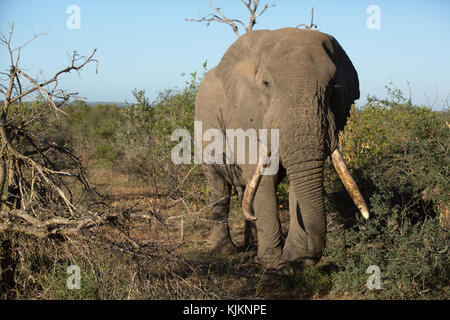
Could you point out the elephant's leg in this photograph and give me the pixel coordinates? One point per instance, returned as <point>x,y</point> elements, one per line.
<point>220,238</point>
<point>268,222</point>
<point>296,252</point>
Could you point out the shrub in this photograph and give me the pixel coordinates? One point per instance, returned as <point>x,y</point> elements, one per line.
<point>413,259</point>
<point>146,127</point>
<point>92,131</point>
<point>144,138</point>
<point>399,156</point>
<point>401,148</point>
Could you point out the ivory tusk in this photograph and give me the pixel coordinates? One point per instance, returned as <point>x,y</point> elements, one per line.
<point>349,183</point>
<point>252,186</point>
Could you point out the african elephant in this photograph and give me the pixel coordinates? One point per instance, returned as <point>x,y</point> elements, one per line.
<point>302,83</point>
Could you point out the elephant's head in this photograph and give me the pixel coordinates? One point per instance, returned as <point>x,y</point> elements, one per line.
<point>302,83</point>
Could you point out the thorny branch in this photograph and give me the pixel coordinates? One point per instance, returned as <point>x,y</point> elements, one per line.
<point>251,5</point>
<point>31,181</point>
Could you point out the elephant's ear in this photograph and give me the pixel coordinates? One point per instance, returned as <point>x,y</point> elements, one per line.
<point>238,65</point>
<point>345,89</point>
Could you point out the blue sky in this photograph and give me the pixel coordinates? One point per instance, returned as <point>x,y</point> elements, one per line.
<point>148,44</point>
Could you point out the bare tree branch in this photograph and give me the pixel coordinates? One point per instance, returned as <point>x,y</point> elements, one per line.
<point>252,6</point>
<point>26,168</point>
<point>253,11</point>
<point>45,228</point>
<point>68,69</point>
<point>310,26</point>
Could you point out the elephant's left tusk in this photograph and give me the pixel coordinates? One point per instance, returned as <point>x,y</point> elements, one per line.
<point>252,186</point>
<point>349,183</point>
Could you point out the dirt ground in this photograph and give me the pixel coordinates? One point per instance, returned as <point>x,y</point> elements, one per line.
<point>180,232</point>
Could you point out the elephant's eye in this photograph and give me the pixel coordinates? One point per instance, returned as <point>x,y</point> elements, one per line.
<point>266,84</point>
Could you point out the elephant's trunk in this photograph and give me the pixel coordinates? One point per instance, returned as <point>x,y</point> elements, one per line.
<point>307,181</point>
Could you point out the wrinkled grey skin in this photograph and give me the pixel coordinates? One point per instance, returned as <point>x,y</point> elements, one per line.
<point>302,83</point>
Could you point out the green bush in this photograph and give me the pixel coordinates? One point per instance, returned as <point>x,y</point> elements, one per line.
<point>401,148</point>
<point>312,281</point>
<point>399,156</point>
<point>135,138</point>
<point>93,130</point>
<point>144,137</point>
<point>413,259</point>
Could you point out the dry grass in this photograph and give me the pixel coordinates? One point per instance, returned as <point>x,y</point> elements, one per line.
<point>172,260</point>
<point>143,256</point>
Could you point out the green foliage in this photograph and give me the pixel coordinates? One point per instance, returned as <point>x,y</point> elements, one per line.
<point>57,281</point>
<point>396,152</point>
<point>283,194</point>
<point>135,138</point>
<point>413,259</point>
<point>144,138</point>
<point>400,147</point>
<point>93,130</point>
<point>312,281</point>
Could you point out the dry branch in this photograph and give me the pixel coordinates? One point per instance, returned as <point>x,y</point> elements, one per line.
<point>44,228</point>
<point>30,180</point>
<point>218,16</point>
<point>310,26</point>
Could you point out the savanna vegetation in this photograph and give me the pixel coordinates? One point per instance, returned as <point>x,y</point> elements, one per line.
<point>94,186</point>
<point>154,245</point>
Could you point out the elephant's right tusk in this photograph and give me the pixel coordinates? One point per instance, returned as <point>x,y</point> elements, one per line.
<point>252,186</point>
<point>349,183</point>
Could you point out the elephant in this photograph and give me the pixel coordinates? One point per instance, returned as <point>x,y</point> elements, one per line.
<point>302,83</point>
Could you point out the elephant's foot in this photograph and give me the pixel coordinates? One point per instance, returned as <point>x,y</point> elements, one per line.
<point>270,259</point>
<point>220,240</point>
